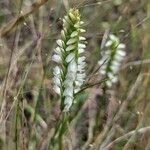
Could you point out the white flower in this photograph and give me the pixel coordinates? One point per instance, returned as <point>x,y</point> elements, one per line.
<point>68,103</point>
<point>80,45</point>
<point>108,43</point>
<point>109,83</point>
<point>67,20</point>
<point>60,43</point>
<point>81,76</point>
<point>72,67</point>
<point>81,67</point>
<point>57,71</point>
<point>56,58</point>
<point>57,81</point>
<point>70,57</point>
<point>81,22</point>
<point>114,38</point>
<point>77,90</point>
<point>68,82</point>
<point>116,63</point>
<point>121,46</point>
<point>111,60</point>
<point>114,79</point>
<point>121,53</point>
<point>81,38</point>
<point>72,16</point>
<point>114,68</point>
<point>57,89</point>
<point>63,34</point>
<point>68,91</point>
<point>77,25</point>
<point>71,75</point>
<point>81,59</point>
<point>71,41</point>
<point>118,58</point>
<point>58,50</point>
<point>75,33</point>
<point>70,47</point>
<point>82,30</point>
<point>80,50</point>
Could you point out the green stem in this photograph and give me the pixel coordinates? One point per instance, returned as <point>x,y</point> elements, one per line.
<point>62,130</point>
<point>16,126</point>
<point>59,132</point>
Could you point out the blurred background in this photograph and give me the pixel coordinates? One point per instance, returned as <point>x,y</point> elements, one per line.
<point>29,108</point>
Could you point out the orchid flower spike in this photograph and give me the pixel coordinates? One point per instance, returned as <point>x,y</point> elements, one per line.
<point>69,74</point>
<point>111,59</point>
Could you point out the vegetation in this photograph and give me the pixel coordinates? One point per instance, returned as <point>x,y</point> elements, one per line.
<point>66,88</point>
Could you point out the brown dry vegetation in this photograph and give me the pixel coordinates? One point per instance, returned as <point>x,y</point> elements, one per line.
<point>29,108</point>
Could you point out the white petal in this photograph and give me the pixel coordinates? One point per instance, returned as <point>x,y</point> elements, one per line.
<point>81,59</point>
<point>81,45</point>
<point>114,38</point>
<point>108,43</point>
<point>81,22</point>
<point>68,91</point>
<point>58,50</point>
<point>118,58</point>
<point>72,67</point>
<point>56,81</point>
<point>56,58</point>
<point>109,83</point>
<point>60,43</point>
<point>71,41</point>
<point>78,83</point>
<point>116,63</point>
<point>110,75</point>
<point>82,30</point>
<point>82,38</point>
<point>68,83</point>
<point>107,53</point>
<point>56,89</point>
<point>77,90</point>
<point>65,31</point>
<point>63,35</point>
<point>80,50</point>
<point>81,66</point>
<point>114,79</point>
<point>77,25</point>
<point>70,57</point>
<point>114,69</point>
<point>68,103</point>
<point>75,33</point>
<point>121,52</point>
<point>80,77</point>
<point>121,46</point>
<point>72,16</point>
<point>71,76</point>
<point>68,20</point>
<point>57,71</point>
<point>70,47</point>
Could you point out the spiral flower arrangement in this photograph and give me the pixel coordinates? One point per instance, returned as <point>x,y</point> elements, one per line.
<point>111,59</point>
<point>69,74</point>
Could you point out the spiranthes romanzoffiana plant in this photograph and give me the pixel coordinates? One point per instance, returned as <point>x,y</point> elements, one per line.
<point>69,74</point>
<point>111,59</point>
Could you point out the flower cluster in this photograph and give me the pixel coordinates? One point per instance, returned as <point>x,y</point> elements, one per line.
<point>112,58</point>
<point>69,75</point>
